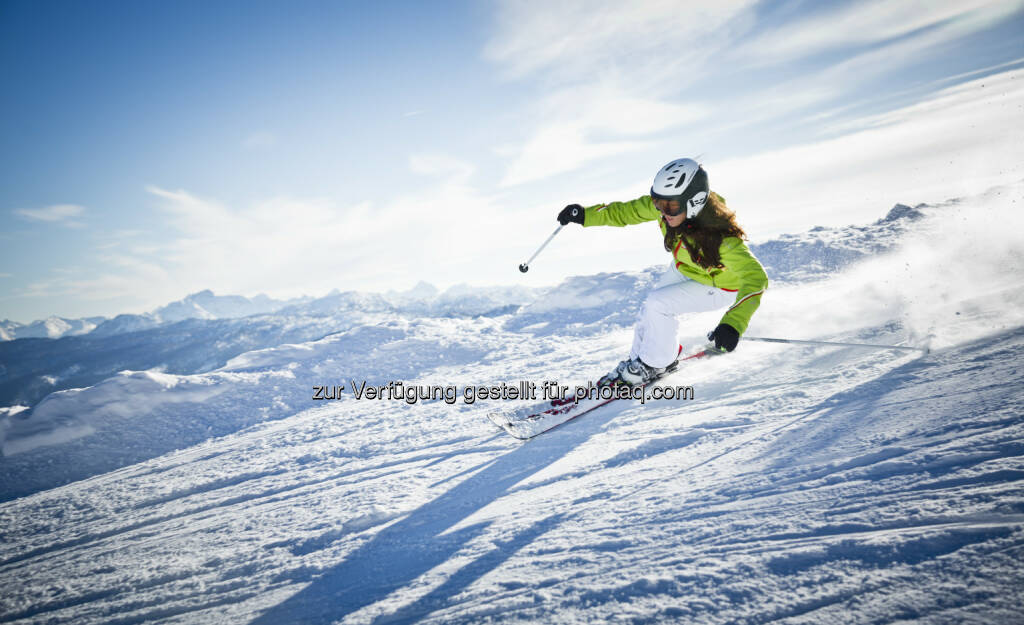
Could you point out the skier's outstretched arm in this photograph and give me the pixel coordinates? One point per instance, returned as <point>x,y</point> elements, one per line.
<point>617,214</point>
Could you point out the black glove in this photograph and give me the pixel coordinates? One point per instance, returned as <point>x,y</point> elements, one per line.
<point>725,337</point>
<point>573,213</point>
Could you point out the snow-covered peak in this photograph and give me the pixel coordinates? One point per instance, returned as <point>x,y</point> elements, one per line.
<point>422,290</point>
<point>820,252</point>
<point>50,328</point>
<point>201,305</point>
<point>124,323</point>
<point>902,212</point>
<point>206,305</point>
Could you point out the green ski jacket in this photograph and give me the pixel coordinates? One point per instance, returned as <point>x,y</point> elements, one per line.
<point>742,273</point>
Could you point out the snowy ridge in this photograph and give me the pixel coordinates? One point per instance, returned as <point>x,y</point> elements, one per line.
<point>422,299</point>
<point>821,252</point>
<point>206,305</point>
<point>201,305</point>
<point>801,484</point>
<point>51,328</point>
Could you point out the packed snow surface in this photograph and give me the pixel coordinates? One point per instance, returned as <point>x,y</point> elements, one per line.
<point>800,485</point>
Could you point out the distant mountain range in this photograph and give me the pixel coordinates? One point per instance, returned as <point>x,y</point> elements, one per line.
<point>49,328</point>
<point>424,298</point>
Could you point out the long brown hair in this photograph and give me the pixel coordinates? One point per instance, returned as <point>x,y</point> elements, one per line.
<point>702,235</point>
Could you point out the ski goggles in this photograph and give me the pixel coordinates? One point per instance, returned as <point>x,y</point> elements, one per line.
<point>690,203</point>
<point>665,206</point>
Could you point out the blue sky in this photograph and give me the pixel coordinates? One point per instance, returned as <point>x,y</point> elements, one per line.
<point>154,149</point>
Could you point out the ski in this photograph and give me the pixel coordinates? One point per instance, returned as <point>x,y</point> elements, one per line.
<point>528,423</point>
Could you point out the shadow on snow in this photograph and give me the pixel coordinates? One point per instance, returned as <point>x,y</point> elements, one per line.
<point>400,553</point>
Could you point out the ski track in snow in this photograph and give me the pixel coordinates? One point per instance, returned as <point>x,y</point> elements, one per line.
<point>801,485</point>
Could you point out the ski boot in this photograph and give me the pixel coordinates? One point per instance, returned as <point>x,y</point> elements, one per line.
<point>632,372</point>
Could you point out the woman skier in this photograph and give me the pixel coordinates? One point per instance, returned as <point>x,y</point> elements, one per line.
<point>713,268</point>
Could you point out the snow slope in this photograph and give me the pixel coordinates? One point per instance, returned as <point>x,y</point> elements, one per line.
<point>801,485</point>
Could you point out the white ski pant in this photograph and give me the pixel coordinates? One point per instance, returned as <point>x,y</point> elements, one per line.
<point>655,338</point>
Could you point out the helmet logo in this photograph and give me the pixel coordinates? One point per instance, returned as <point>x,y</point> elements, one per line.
<point>696,204</point>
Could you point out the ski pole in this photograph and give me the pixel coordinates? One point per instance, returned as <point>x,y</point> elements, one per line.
<point>526,266</point>
<point>834,344</point>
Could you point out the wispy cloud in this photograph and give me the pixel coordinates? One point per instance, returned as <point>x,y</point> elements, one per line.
<point>574,39</point>
<point>864,23</point>
<point>846,76</point>
<point>588,124</point>
<point>731,64</point>
<point>127,277</point>
<point>962,141</point>
<point>292,246</point>
<point>63,214</point>
<point>613,74</point>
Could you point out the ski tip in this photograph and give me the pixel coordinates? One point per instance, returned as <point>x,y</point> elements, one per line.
<point>499,419</point>
<point>506,424</point>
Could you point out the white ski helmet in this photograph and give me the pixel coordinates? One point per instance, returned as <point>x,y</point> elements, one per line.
<point>685,181</point>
